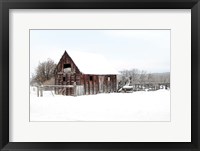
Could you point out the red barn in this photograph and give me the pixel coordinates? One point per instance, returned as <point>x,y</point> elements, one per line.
<point>84,74</point>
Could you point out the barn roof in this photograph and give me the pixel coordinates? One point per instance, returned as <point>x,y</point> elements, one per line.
<point>90,63</point>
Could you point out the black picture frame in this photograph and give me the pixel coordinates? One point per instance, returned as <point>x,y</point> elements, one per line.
<point>5,5</point>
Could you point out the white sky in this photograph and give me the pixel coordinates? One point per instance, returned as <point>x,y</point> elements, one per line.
<point>125,49</point>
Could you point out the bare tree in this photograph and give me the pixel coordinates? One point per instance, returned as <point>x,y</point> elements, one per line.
<point>150,78</point>
<point>143,77</point>
<point>44,71</point>
<point>134,76</point>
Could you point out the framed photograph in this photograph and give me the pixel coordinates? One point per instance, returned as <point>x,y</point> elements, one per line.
<point>98,75</point>
<point>83,85</point>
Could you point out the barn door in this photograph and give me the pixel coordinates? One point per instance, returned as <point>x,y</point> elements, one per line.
<point>101,80</point>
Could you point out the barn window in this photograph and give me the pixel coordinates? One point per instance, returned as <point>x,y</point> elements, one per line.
<point>67,65</point>
<point>63,78</point>
<point>91,78</point>
<point>108,78</point>
<point>67,68</point>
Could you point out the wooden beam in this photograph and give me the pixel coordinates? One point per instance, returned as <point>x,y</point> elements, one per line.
<point>65,86</point>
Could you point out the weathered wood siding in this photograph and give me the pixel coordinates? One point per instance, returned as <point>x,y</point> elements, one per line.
<point>66,79</point>
<point>94,84</point>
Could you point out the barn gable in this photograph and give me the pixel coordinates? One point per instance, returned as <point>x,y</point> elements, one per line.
<point>65,61</point>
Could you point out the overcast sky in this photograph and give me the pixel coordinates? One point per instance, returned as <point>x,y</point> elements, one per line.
<point>125,49</point>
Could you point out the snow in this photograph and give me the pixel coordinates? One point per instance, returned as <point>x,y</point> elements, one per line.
<point>90,63</point>
<point>136,106</point>
<point>127,87</point>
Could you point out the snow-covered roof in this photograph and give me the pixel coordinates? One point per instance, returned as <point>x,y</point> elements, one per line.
<point>90,63</point>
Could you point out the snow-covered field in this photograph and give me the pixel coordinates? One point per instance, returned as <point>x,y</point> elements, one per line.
<point>136,106</point>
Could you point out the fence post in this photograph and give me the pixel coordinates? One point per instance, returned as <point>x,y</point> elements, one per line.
<point>38,91</point>
<point>41,91</point>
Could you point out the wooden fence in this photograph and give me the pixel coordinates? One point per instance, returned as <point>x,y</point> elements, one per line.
<point>78,89</point>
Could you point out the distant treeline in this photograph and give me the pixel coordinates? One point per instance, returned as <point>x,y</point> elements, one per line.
<point>135,76</point>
